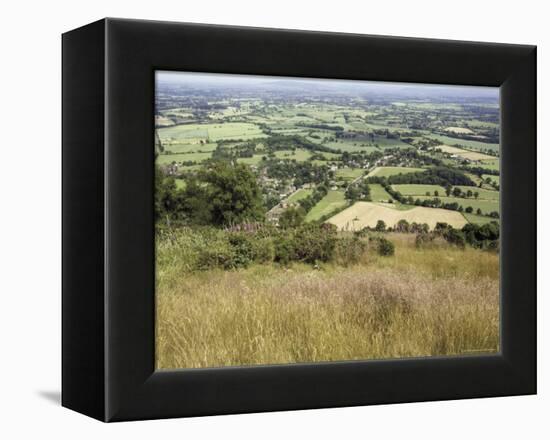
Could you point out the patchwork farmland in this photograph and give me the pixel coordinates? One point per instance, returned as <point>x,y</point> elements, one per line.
<point>339,152</point>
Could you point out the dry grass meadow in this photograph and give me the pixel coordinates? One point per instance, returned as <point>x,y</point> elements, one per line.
<point>436,301</point>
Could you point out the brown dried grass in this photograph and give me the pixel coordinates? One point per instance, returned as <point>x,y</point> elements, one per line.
<point>433,302</point>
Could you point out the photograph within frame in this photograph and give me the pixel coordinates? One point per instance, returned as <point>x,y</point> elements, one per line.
<point>305,220</point>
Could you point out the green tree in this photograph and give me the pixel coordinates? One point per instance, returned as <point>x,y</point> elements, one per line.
<point>292,217</point>
<point>402,226</point>
<point>456,237</point>
<point>352,193</point>
<point>380,226</point>
<point>194,203</point>
<point>233,193</point>
<point>385,247</point>
<point>165,195</point>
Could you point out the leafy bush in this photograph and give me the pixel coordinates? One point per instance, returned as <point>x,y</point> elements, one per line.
<point>216,257</point>
<point>206,248</point>
<point>362,232</point>
<point>483,236</point>
<point>419,227</point>
<point>423,239</point>
<point>441,227</point>
<point>350,250</point>
<point>385,247</point>
<point>456,237</point>
<point>263,250</point>
<point>402,226</point>
<point>313,243</point>
<point>243,249</point>
<point>284,250</point>
<point>292,217</point>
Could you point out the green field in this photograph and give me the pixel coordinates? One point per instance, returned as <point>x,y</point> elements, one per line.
<point>491,164</point>
<point>381,126</point>
<point>384,142</point>
<point>254,160</point>
<point>330,156</point>
<point>327,157</point>
<point>447,140</point>
<point>477,219</point>
<point>392,171</point>
<point>473,177</point>
<point>349,173</point>
<point>378,193</point>
<point>177,112</point>
<point>351,147</point>
<point>483,193</point>
<point>299,195</point>
<point>300,155</point>
<point>164,159</point>
<point>333,200</point>
<point>419,190</point>
<point>495,179</point>
<point>481,124</point>
<point>189,148</point>
<point>210,132</point>
<point>486,206</point>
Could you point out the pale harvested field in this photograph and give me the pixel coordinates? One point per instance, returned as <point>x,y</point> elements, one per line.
<point>466,154</point>
<point>459,130</point>
<point>392,171</point>
<point>363,214</point>
<point>161,121</point>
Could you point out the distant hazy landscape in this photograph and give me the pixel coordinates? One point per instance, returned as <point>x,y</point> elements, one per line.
<point>307,220</point>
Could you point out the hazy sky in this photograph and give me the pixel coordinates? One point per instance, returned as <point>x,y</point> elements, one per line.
<point>209,80</point>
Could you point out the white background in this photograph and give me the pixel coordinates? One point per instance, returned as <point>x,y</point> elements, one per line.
<point>30,217</point>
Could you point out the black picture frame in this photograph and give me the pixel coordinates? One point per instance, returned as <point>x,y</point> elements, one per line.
<point>108,225</point>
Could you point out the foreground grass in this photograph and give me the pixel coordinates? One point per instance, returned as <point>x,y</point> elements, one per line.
<point>439,301</point>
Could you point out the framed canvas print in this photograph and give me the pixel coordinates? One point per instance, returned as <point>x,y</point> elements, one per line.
<point>261,220</point>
